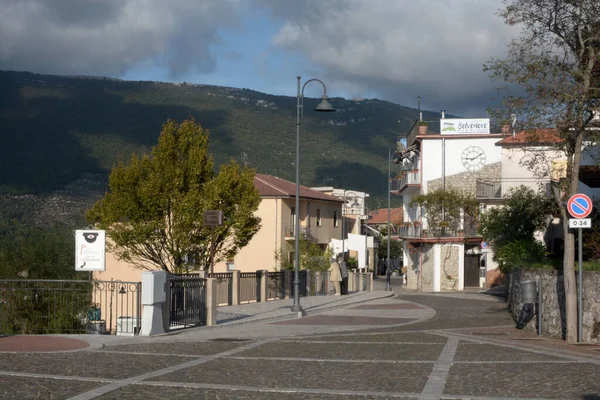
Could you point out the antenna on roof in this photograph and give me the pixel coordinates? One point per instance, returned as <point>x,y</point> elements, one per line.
<point>513,123</point>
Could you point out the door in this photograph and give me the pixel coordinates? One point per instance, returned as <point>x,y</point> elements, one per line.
<point>471,270</point>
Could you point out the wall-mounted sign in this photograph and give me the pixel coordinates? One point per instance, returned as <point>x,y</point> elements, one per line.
<point>90,250</point>
<point>462,126</point>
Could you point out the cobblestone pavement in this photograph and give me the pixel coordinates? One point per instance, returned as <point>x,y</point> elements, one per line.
<point>415,354</point>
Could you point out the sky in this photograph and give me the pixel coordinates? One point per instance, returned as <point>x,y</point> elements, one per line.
<point>393,50</point>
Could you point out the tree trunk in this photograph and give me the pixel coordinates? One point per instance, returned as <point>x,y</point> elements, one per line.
<point>570,286</point>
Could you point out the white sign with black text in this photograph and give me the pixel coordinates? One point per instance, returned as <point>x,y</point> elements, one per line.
<point>90,250</point>
<point>455,126</point>
<point>580,223</point>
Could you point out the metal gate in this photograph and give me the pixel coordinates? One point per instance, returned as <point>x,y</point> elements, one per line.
<point>471,270</point>
<point>187,301</point>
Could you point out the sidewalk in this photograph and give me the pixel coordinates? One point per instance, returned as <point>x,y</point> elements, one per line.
<point>281,309</point>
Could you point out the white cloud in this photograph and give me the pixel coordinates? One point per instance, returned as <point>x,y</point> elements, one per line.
<point>107,37</point>
<point>399,48</point>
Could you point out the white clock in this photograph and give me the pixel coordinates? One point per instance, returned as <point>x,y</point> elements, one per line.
<point>473,158</point>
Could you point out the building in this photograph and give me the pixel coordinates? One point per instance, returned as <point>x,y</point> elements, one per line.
<point>320,221</point>
<point>467,156</point>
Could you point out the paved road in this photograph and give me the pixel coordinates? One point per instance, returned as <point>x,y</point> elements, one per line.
<point>409,346</point>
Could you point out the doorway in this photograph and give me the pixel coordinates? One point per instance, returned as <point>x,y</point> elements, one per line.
<point>471,270</point>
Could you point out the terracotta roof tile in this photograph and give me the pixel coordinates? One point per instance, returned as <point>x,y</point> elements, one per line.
<point>272,186</point>
<point>396,216</point>
<point>536,136</point>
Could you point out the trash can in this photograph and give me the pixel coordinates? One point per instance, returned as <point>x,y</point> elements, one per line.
<point>529,292</point>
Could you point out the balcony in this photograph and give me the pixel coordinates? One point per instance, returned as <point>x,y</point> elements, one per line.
<point>496,189</point>
<point>290,232</point>
<point>411,231</point>
<point>409,183</point>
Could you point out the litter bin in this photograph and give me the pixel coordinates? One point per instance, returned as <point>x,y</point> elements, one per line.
<point>529,292</point>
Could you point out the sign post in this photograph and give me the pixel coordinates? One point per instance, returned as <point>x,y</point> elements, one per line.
<point>580,206</point>
<point>212,218</point>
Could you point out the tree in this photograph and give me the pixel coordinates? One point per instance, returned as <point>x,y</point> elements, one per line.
<point>312,256</point>
<point>512,227</point>
<point>154,208</point>
<point>447,209</point>
<point>556,65</point>
<point>396,248</point>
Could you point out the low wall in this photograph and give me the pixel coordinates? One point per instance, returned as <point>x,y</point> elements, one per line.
<point>553,310</point>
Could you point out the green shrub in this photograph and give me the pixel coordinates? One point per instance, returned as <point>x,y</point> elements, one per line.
<point>521,254</point>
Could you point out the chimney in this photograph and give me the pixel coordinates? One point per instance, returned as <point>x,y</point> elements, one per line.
<point>443,114</point>
<point>513,123</point>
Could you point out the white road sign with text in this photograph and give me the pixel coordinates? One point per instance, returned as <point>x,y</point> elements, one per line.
<point>580,223</point>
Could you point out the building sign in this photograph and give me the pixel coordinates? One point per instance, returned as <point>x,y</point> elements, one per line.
<point>464,126</point>
<point>90,250</point>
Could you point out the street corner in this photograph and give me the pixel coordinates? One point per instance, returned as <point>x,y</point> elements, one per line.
<point>40,343</point>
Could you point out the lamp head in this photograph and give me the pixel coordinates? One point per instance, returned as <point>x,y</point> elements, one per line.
<point>324,105</point>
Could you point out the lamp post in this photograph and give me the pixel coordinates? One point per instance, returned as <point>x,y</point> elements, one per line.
<point>388,283</point>
<point>323,106</point>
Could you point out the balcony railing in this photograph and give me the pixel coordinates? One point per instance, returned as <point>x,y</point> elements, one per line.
<point>290,231</point>
<point>412,231</point>
<point>501,187</point>
<point>409,178</point>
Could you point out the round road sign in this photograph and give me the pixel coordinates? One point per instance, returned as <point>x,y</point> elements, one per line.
<point>579,205</point>
<point>484,245</point>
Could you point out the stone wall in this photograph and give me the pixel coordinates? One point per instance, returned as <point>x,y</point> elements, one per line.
<point>449,267</point>
<point>466,180</point>
<point>427,268</point>
<point>412,270</point>
<point>553,318</point>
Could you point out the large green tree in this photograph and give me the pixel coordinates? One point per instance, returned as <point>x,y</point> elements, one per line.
<point>556,64</point>
<point>154,209</point>
<point>514,224</point>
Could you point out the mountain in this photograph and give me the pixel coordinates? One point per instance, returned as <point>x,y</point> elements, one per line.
<point>56,130</point>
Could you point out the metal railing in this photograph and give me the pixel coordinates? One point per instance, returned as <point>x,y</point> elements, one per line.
<point>69,306</point>
<point>224,287</point>
<point>501,187</point>
<point>411,231</point>
<point>289,231</point>
<point>276,285</point>
<point>320,284</point>
<point>187,301</point>
<point>249,287</point>
<point>409,178</point>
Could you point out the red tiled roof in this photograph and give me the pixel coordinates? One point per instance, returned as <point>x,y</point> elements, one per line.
<point>272,186</point>
<point>396,216</point>
<point>537,136</point>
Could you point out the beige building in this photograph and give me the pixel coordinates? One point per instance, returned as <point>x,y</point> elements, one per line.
<point>320,221</point>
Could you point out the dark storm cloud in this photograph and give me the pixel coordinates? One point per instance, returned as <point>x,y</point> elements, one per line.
<point>107,37</point>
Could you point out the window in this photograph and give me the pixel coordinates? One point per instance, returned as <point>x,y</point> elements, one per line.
<point>318,217</point>
<point>292,220</point>
<point>335,219</point>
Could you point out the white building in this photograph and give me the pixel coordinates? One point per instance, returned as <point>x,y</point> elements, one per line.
<point>468,157</point>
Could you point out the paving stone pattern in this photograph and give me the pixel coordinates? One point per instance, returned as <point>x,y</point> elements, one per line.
<point>342,351</point>
<point>85,364</point>
<point>307,374</point>
<point>172,393</point>
<point>19,388</point>
<point>182,348</point>
<point>409,361</point>
<point>550,381</point>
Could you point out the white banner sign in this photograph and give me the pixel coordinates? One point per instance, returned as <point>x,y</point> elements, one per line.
<point>90,250</point>
<point>464,126</point>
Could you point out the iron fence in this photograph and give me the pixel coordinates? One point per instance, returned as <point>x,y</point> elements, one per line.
<point>249,287</point>
<point>320,284</point>
<point>69,306</point>
<point>187,301</point>
<point>224,287</point>
<point>276,285</point>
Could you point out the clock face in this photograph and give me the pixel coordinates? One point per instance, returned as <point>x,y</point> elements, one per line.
<point>473,158</point>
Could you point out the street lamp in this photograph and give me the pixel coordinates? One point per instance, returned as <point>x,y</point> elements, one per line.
<point>388,283</point>
<point>323,106</point>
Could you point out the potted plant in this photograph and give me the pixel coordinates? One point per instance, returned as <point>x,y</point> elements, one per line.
<point>423,127</point>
